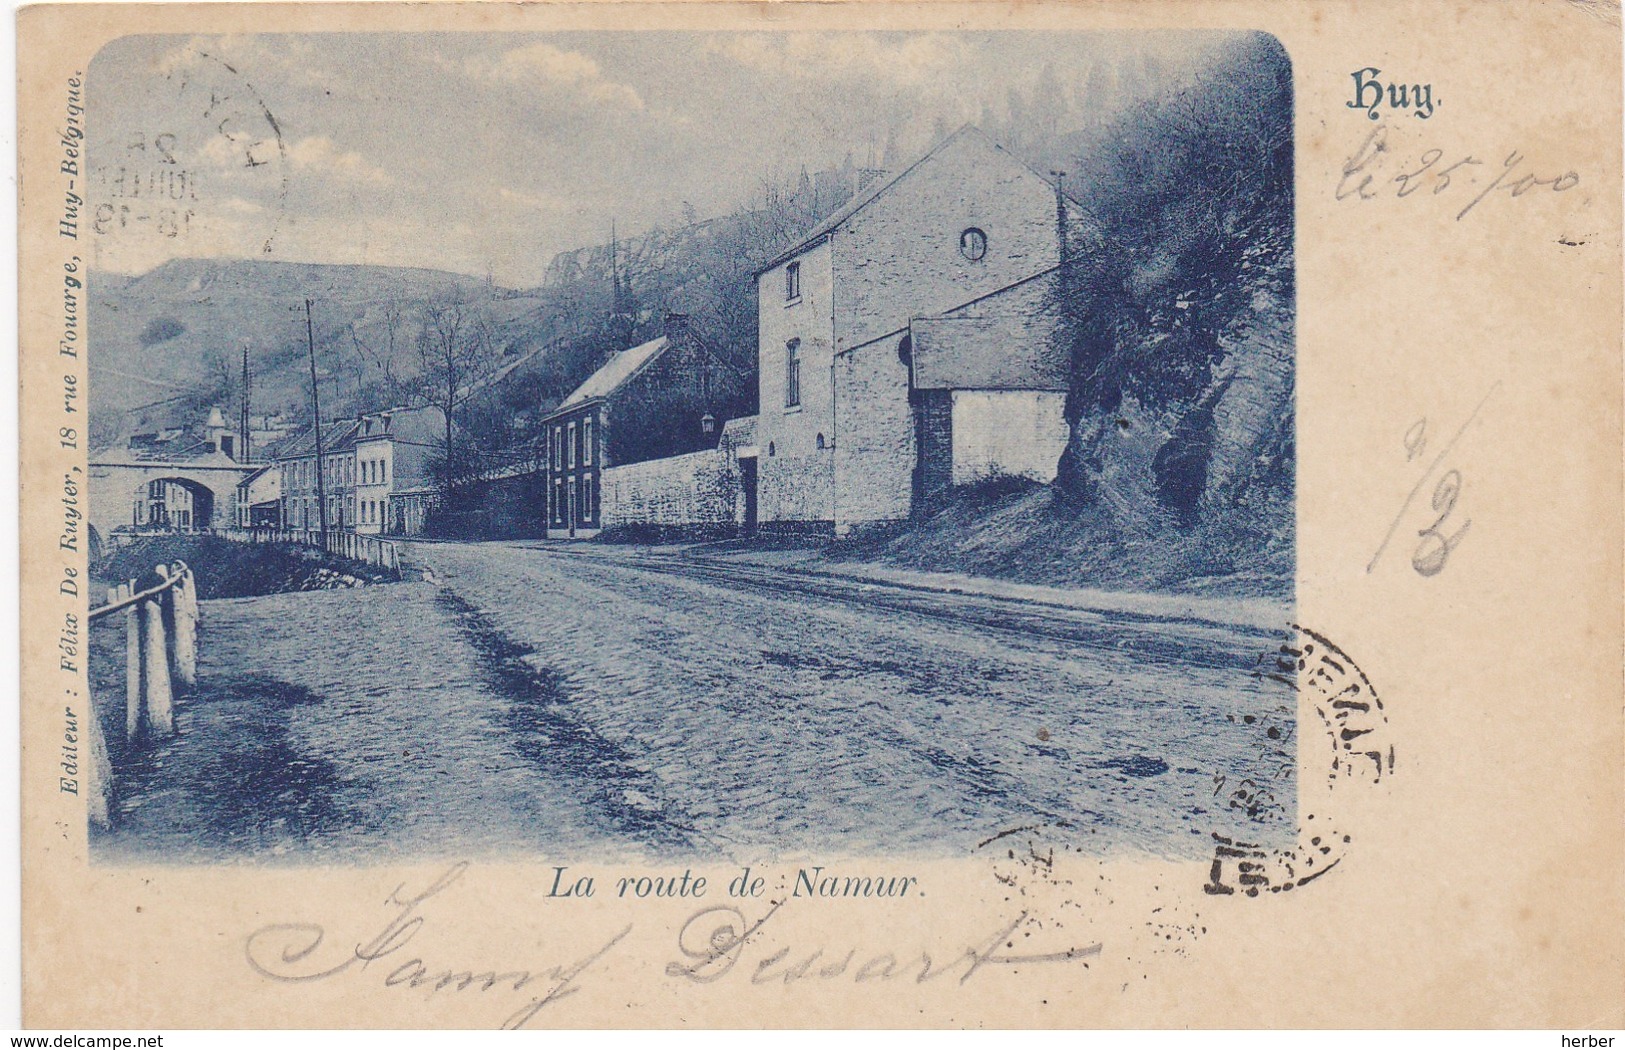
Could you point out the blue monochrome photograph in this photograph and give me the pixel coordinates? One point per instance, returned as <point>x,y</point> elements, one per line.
<point>714,446</point>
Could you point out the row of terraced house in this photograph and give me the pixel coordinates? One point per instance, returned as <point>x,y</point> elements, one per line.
<point>906,345</point>
<point>375,476</point>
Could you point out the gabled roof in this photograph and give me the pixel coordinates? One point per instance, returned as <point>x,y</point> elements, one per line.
<point>864,199</point>
<point>303,443</point>
<point>615,372</point>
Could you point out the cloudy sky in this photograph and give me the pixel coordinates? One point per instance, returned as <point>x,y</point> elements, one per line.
<point>487,154</point>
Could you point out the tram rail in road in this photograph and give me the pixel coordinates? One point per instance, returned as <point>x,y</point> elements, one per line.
<point>1184,641</point>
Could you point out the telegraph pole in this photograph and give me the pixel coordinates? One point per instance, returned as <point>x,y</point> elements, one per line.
<point>316,422</point>
<point>243,452</point>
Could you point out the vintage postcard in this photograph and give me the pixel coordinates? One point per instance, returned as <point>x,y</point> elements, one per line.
<point>777,515</point>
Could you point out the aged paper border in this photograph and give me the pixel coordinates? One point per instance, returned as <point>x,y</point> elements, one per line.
<point>1483,885</point>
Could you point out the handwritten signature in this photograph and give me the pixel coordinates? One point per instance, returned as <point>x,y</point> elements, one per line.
<point>711,943</point>
<point>292,953</point>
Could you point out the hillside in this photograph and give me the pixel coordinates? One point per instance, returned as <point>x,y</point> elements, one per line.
<point>169,342</point>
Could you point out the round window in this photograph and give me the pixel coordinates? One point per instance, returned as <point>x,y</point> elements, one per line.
<point>973,244</point>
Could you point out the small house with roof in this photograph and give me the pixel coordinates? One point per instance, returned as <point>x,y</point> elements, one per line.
<point>259,498</point>
<point>659,399</point>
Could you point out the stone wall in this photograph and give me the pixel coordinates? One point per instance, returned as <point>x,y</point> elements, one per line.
<point>696,489</point>
<point>898,257</point>
<point>874,438</point>
<point>794,486</point>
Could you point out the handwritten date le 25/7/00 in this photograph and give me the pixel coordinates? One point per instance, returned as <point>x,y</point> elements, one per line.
<point>1373,171</point>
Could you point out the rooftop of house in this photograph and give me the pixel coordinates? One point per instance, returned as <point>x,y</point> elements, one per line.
<point>249,479</point>
<point>862,200</point>
<point>615,372</point>
<point>337,436</point>
<point>191,442</point>
<point>739,432</point>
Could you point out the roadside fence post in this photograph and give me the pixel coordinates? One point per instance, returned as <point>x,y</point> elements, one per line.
<point>184,602</point>
<point>155,666</point>
<point>98,771</point>
<point>133,710</point>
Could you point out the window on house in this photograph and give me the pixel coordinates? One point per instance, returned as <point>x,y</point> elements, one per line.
<point>586,442</point>
<point>558,441</point>
<point>820,441</point>
<point>792,282</point>
<point>570,445</point>
<point>792,373</point>
<point>973,244</point>
<point>586,497</point>
<point>558,501</point>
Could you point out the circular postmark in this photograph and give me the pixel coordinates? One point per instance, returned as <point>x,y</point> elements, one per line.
<point>186,158</point>
<point>1352,745</point>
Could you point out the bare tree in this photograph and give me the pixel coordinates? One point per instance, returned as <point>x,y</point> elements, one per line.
<point>221,369</point>
<point>381,360</point>
<point>455,359</point>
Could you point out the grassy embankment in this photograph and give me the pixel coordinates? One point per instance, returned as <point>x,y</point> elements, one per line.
<point>225,569</point>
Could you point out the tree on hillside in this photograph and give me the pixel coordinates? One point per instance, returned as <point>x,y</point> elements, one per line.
<point>454,358</point>
<point>384,376</point>
<point>1190,194</point>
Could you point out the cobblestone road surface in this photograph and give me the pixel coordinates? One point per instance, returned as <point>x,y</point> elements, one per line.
<point>566,703</point>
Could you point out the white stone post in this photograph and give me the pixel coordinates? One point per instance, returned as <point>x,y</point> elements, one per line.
<point>134,710</point>
<point>156,688</point>
<point>184,644</point>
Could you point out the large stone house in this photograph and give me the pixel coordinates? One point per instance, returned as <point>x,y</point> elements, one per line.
<point>910,341</point>
<point>367,463</point>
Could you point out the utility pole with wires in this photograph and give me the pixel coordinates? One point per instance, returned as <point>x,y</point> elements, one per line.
<point>244,454</point>
<point>316,423</point>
